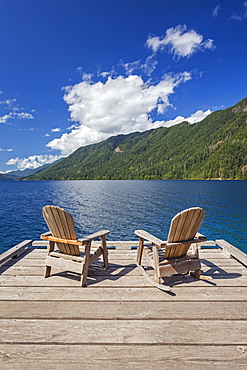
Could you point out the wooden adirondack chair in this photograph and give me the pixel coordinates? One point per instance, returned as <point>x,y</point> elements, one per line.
<point>68,255</point>
<point>171,257</point>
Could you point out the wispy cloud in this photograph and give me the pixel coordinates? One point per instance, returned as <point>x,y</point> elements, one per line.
<point>15,111</point>
<point>241,14</point>
<point>148,66</point>
<point>8,102</point>
<point>216,11</point>
<point>180,42</point>
<point>57,129</point>
<point>13,115</point>
<point>5,150</point>
<point>22,115</point>
<point>4,119</point>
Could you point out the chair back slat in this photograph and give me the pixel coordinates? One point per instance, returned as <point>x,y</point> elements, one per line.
<point>61,226</point>
<point>184,227</point>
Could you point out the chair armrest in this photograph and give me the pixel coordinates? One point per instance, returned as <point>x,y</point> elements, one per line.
<point>60,240</point>
<point>48,233</point>
<point>48,236</point>
<point>200,237</point>
<point>151,238</point>
<point>160,243</point>
<point>96,235</point>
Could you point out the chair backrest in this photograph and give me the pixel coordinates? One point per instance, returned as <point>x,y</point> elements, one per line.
<point>184,227</point>
<point>61,226</point>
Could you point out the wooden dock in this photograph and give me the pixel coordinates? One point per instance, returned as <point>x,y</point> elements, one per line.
<point>120,321</point>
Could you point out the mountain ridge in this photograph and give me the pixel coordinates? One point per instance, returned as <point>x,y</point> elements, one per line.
<point>215,147</point>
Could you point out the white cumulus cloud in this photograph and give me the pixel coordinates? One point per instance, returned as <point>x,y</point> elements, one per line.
<point>33,161</point>
<point>120,105</point>
<point>193,118</point>
<point>180,42</point>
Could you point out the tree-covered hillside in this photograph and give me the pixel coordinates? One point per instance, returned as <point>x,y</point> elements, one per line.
<point>213,148</point>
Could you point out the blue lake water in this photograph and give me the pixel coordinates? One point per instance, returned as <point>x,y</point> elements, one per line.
<point>122,207</point>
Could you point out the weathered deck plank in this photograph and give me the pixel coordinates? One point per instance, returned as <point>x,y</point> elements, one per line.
<point>97,331</point>
<point>123,294</point>
<point>77,356</point>
<point>115,310</point>
<point>120,320</point>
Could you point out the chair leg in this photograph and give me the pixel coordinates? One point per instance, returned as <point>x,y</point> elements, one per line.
<point>157,277</point>
<point>47,271</point>
<point>50,248</point>
<point>86,263</point>
<point>156,264</point>
<point>196,274</point>
<point>140,251</point>
<point>84,275</point>
<point>105,252</point>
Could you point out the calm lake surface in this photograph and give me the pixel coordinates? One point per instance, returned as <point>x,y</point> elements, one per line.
<point>122,207</point>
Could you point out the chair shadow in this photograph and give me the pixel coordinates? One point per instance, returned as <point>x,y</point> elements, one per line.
<point>213,273</point>
<point>97,273</point>
<point>217,272</point>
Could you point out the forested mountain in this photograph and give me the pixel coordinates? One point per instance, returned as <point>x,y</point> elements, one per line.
<point>213,148</point>
<point>27,172</point>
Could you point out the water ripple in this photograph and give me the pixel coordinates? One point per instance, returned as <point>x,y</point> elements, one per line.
<point>122,207</point>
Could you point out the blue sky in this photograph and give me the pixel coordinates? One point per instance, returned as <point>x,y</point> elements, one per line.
<point>74,72</point>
